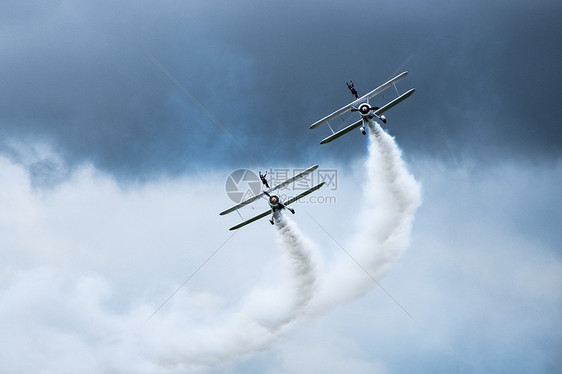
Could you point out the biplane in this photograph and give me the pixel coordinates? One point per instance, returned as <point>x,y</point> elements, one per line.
<point>368,113</point>
<point>275,203</point>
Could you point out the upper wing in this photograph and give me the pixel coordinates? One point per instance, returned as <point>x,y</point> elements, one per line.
<point>243,203</point>
<point>294,178</point>
<point>362,99</point>
<point>399,99</point>
<point>281,185</point>
<point>337,113</point>
<point>242,224</point>
<point>383,87</point>
<point>343,131</point>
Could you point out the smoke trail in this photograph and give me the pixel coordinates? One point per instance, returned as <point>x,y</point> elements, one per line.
<point>390,199</point>
<point>301,254</point>
<point>186,338</point>
<point>264,316</point>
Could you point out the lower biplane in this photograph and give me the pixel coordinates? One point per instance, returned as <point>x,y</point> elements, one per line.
<point>275,203</point>
<point>368,113</point>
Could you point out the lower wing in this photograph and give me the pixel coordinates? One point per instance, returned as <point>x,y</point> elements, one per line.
<point>242,224</point>
<point>398,100</point>
<point>317,187</point>
<point>343,131</point>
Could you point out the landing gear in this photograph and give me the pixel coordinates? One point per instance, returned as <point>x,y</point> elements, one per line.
<point>383,119</point>
<point>363,130</point>
<point>291,210</point>
<point>271,221</point>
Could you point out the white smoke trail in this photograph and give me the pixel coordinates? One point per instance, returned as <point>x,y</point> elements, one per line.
<point>391,196</point>
<point>92,335</point>
<point>263,318</point>
<point>302,256</point>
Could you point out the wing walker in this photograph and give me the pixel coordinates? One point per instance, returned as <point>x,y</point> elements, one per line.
<point>275,203</point>
<point>368,112</point>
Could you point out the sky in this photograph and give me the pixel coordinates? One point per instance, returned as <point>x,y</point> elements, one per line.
<point>120,123</point>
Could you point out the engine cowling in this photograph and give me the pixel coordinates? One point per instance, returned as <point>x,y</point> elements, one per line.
<point>364,109</point>
<point>274,201</point>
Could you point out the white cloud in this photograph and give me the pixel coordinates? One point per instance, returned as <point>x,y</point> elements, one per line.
<point>85,264</point>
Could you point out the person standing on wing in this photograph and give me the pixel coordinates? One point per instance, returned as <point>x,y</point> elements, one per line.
<point>263,180</point>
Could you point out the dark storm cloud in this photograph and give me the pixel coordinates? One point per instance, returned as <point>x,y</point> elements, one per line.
<point>80,77</point>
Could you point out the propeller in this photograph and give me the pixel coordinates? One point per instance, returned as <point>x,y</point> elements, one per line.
<point>364,108</point>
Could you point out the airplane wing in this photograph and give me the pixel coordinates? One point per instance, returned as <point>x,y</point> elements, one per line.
<point>383,87</point>
<point>399,99</point>
<point>243,203</point>
<point>343,131</point>
<point>378,112</point>
<point>281,185</point>
<point>292,200</point>
<point>362,99</point>
<point>294,178</point>
<point>242,224</point>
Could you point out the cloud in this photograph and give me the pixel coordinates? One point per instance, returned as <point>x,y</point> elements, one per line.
<point>78,292</point>
<point>72,239</point>
<point>481,277</point>
<point>86,114</point>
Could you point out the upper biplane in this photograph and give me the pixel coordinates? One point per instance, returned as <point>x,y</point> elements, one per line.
<point>275,203</point>
<point>368,113</point>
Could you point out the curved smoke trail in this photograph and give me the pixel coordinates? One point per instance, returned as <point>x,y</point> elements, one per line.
<point>173,342</point>
<point>265,315</point>
<point>179,341</point>
<point>301,254</point>
<point>391,196</point>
